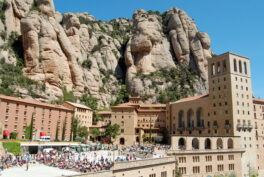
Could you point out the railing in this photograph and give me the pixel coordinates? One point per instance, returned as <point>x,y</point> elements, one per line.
<point>215,126</point>
<point>227,126</point>
<point>200,124</point>
<point>181,126</point>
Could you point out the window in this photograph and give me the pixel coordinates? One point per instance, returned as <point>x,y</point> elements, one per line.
<point>213,69</point>
<point>164,174</point>
<point>182,170</point>
<point>122,130</point>
<point>231,167</point>
<point>230,157</point>
<point>196,169</point>
<point>182,159</point>
<point>218,67</point>
<point>220,167</point>
<point>245,67</point>
<point>208,158</point>
<point>224,66</point>
<point>6,119</point>
<point>152,175</point>
<point>208,168</point>
<point>235,65</point>
<point>240,66</point>
<point>220,158</point>
<point>196,159</point>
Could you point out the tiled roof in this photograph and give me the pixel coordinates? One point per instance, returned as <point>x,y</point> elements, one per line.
<point>153,105</point>
<point>255,100</point>
<point>78,105</point>
<point>149,110</point>
<point>33,102</point>
<point>105,112</point>
<point>192,98</point>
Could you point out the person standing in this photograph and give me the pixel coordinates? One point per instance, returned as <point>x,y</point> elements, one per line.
<point>27,166</point>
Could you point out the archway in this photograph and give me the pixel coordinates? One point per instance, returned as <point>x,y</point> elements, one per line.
<point>219,143</point>
<point>195,143</point>
<point>207,143</point>
<point>230,144</point>
<point>181,143</point>
<point>122,141</point>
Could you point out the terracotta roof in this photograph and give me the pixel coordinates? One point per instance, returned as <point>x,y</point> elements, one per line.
<point>150,110</point>
<point>105,112</point>
<point>78,105</point>
<point>192,98</point>
<point>33,102</point>
<point>153,105</point>
<point>122,106</point>
<point>255,100</point>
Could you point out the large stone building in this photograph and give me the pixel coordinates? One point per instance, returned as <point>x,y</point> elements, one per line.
<point>136,119</point>
<point>82,112</point>
<point>225,113</point>
<point>259,133</point>
<point>17,113</point>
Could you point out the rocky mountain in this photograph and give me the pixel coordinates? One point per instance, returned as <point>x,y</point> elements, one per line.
<point>160,57</point>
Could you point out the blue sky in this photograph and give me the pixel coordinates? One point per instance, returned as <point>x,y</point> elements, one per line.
<point>233,25</point>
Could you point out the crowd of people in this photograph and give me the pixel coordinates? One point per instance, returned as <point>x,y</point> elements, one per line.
<point>90,161</point>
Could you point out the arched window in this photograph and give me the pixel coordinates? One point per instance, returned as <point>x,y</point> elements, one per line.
<point>207,143</point>
<point>245,67</point>
<point>122,141</point>
<point>195,143</point>
<point>219,143</point>
<point>218,67</point>
<point>213,69</point>
<point>224,66</point>
<point>181,144</point>
<point>199,117</point>
<point>235,65</point>
<point>190,121</point>
<point>180,119</point>
<point>230,144</point>
<point>240,66</point>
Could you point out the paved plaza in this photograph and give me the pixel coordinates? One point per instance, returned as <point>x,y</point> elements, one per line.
<point>36,170</point>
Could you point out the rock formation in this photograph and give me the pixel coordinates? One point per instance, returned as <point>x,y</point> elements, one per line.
<point>94,57</point>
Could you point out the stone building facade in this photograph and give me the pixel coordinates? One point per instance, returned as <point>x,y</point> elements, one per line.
<point>82,112</point>
<point>259,133</point>
<point>227,111</point>
<point>17,113</point>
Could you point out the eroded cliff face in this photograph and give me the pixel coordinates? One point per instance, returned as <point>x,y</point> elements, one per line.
<point>95,57</point>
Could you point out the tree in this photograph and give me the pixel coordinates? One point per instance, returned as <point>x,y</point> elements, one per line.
<point>83,132</point>
<point>31,127</point>
<point>112,131</point>
<point>13,135</point>
<point>177,172</point>
<point>89,101</point>
<point>95,133</point>
<point>74,127</point>
<point>144,137</point>
<point>27,132</point>
<point>63,130</point>
<point>57,131</point>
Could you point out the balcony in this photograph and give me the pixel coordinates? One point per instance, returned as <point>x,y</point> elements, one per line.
<point>227,126</point>
<point>200,124</point>
<point>215,126</point>
<point>239,126</point>
<point>181,126</point>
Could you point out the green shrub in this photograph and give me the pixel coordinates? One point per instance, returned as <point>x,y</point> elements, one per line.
<point>35,6</point>
<point>87,63</point>
<point>12,147</point>
<point>13,135</point>
<point>3,6</point>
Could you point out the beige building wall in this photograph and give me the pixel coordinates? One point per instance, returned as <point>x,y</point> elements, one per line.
<point>127,119</point>
<point>82,112</point>
<point>258,129</point>
<point>242,105</point>
<point>16,114</point>
<point>161,167</point>
<point>198,158</point>
<point>226,111</point>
